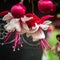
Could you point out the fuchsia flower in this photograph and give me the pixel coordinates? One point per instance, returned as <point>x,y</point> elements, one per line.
<point>30,24</point>
<point>46,6</point>
<point>12,18</point>
<point>12,25</point>
<point>35,27</point>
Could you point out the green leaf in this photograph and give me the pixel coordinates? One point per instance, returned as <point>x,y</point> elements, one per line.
<point>58,15</point>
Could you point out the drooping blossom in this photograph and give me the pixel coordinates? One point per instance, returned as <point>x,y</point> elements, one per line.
<point>46,6</point>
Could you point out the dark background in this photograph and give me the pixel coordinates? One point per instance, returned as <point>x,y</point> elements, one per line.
<point>26,52</point>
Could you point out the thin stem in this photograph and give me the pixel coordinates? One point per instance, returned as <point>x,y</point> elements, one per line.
<point>22,0</point>
<point>29,1</point>
<point>32,6</point>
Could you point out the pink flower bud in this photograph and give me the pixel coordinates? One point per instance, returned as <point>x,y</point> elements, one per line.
<point>46,6</point>
<point>18,10</point>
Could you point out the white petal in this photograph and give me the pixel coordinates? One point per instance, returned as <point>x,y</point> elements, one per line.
<point>14,20</point>
<point>11,25</point>
<point>7,17</point>
<point>34,29</point>
<point>47,22</point>
<point>6,25</point>
<point>25,26</point>
<point>37,35</point>
<point>25,18</point>
<point>9,28</point>
<point>18,27</point>
<point>44,27</point>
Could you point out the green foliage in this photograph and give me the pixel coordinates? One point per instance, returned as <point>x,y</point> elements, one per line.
<point>52,56</point>
<point>58,15</point>
<point>52,42</point>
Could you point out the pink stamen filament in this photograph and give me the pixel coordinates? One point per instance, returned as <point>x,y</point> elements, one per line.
<point>15,40</point>
<point>42,44</point>
<point>19,41</point>
<point>7,37</point>
<point>17,36</point>
<point>46,43</point>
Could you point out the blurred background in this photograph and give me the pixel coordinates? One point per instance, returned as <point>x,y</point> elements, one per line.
<point>30,52</point>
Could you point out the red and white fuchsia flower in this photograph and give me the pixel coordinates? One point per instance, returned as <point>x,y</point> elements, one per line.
<point>12,25</point>
<point>12,18</point>
<point>36,26</point>
<point>20,23</point>
<point>30,24</point>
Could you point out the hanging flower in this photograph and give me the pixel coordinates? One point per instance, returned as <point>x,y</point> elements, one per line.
<point>36,27</point>
<point>13,22</point>
<point>12,25</point>
<point>46,6</point>
<point>30,24</point>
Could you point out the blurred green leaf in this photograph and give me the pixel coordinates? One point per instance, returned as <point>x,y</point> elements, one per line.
<point>58,15</point>
<point>52,42</point>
